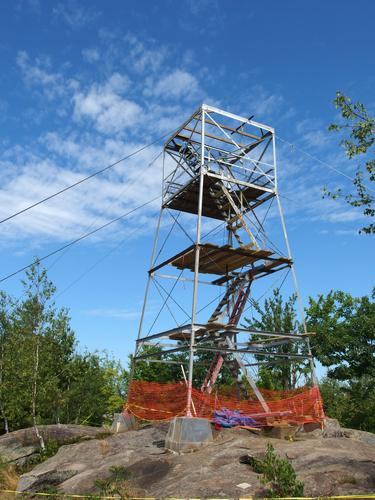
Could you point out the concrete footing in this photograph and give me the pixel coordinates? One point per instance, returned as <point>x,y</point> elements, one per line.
<point>123,422</point>
<point>187,434</point>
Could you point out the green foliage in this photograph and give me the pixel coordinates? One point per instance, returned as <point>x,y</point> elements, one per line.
<point>256,464</point>
<point>345,334</point>
<point>352,403</point>
<point>278,315</point>
<point>345,344</point>
<point>278,474</point>
<point>37,344</point>
<point>334,398</point>
<point>50,449</point>
<point>43,379</point>
<point>360,138</point>
<point>161,372</point>
<point>158,372</point>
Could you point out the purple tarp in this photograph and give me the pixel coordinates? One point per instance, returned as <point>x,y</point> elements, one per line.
<point>231,418</point>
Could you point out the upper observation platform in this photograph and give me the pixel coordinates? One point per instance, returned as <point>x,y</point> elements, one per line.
<point>236,155</point>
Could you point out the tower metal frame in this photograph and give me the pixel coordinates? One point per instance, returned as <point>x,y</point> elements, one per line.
<point>219,166</point>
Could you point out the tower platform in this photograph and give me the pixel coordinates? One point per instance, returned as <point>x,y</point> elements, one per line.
<point>184,198</point>
<point>223,260</point>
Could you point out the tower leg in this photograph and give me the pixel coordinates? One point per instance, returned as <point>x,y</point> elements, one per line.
<point>196,276</point>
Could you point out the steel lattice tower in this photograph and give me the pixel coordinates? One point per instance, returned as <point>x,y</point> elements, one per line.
<point>222,167</point>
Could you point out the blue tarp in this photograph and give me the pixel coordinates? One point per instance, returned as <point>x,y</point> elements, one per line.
<point>232,418</point>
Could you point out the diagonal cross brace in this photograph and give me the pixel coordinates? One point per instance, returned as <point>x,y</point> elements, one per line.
<point>239,215</point>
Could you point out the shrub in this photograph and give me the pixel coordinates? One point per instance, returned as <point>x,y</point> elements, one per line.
<point>278,475</point>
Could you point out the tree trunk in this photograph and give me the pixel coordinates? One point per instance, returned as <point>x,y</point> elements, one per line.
<point>3,416</point>
<point>35,387</point>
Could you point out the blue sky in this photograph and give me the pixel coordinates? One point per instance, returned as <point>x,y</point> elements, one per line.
<point>85,83</point>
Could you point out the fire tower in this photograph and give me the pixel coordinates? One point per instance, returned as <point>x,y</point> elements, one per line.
<point>219,177</point>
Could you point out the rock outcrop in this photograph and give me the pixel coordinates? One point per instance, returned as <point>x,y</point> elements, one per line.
<point>335,465</point>
<point>18,446</point>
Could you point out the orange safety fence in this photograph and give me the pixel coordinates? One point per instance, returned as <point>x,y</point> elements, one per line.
<point>155,402</point>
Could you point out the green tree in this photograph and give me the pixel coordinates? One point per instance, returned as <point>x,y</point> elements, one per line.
<point>47,345</point>
<point>43,379</point>
<point>171,371</point>
<point>334,398</point>
<point>345,344</point>
<point>278,315</point>
<point>203,359</point>
<point>116,379</point>
<point>152,371</point>
<point>6,361</point>
<point>345,334</point>
<point>85,400</point>
<point>359,129</point>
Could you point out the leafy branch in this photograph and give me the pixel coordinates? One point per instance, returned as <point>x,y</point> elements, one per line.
<point>359,129</point>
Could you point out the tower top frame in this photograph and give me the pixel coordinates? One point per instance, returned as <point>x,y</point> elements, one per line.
<point>230,146</point>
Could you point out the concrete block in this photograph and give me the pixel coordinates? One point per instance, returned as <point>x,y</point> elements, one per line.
<point>186,434</point>
<point>123,422</point>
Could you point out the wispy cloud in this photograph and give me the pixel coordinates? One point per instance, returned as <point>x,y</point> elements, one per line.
<point>39,74</point>
<point>124,314</point>
<point>74,15</point>
<point>107,114</point>
<point>263,103</point>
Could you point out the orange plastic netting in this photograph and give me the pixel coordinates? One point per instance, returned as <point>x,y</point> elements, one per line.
<point>154,402</point>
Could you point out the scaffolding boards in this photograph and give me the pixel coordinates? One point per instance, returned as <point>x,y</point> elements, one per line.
<point>219,168</point>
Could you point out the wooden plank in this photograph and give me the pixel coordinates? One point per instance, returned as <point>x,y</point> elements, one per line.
<point>219,260</point>
<point>168,261</point>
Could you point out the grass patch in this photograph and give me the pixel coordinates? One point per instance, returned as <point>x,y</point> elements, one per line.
<point>348,479</point>
<point>118,484</point>
<point>103,435</point>
<point>8,476</point>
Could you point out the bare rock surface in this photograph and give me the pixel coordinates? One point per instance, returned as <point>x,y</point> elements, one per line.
<point>18,445</point>
<point>327,465</point>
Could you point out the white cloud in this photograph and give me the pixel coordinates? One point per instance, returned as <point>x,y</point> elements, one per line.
<point>106,107</point>
<point>178,84</point>
<point>91,55</point>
